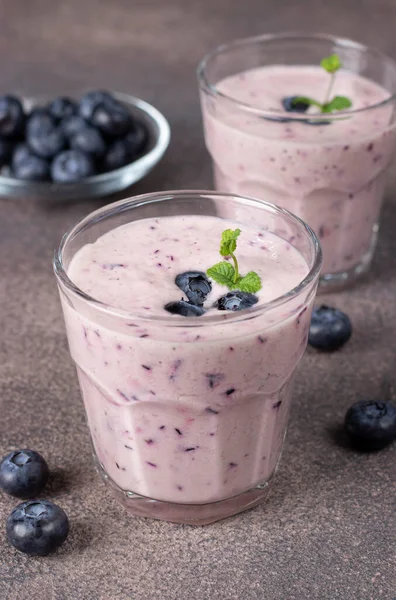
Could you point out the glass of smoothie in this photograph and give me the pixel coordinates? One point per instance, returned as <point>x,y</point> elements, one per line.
<point>186,383</point>
<point>327,168</point>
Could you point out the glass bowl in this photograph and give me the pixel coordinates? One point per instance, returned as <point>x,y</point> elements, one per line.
<point>104,183</point>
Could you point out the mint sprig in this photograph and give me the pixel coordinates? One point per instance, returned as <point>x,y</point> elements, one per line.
<point>226,274</point>
<point>331,64</point>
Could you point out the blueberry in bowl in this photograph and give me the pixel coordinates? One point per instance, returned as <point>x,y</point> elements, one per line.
<point>77,146</point>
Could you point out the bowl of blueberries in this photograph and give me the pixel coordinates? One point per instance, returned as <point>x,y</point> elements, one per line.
<point>75,148</point>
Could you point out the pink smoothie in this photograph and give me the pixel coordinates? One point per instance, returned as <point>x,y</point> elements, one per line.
<point>195,413</point>
<point>332,176</point>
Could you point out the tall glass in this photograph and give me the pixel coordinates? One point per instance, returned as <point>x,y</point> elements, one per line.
<point>137,431</point>
<point>330,172</point>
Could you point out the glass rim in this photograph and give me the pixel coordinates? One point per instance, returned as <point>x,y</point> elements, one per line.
<point>68,286</point>
<point>287,36</point>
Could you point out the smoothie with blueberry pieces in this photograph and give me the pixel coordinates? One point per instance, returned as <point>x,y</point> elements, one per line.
<point>193,413</point>
<point>331,174</point>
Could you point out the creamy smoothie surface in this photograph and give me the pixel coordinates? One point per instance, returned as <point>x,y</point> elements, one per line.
<point>329,174</point>
<point>186,414</point>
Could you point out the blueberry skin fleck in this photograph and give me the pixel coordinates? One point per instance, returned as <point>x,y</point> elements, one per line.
<point>37,527</point>
<point>72,166</point>
<point>89,140</point>
<point>23,473</point>
<point>29,167</point>
<point>47,143</point>
<point>330,328</point>
<point>62,107</point>
<point>12,117</point>
<point>290,105</point>
<point>236,301</point>
<point>185,309</point>
<point>72,125</point>
<point>370,424</point>
<point>195,285</point>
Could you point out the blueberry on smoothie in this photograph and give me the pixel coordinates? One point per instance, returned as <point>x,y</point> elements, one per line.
<point>72,166</point>
<point>370,424</point>
<point>195,285</point>
<point>62,107</point>
<point>294,104</point>
<point>37,528</point>
<point>12,117</point>
<point>236,301</point>
<point>23,473</point>
<point>185,309</point>
<point>330,328</point>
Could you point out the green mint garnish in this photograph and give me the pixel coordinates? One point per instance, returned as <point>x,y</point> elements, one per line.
<point>228,275</point>
<point>331,64</point>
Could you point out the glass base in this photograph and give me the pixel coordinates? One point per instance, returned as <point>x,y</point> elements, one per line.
<point>330,282</point>
<point>188,514</point>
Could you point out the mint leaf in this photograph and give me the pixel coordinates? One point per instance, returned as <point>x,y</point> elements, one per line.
<point>222,273</point>
<point>337,103</point>
<point>331,63</point>
<point>250,283</point>
<point>228,242</point>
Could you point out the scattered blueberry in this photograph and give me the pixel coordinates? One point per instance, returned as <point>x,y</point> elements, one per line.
<point>72,125</point>
<point>185,309</point>
<point>89,140</point>
<point>47,143</point>
<point>330,328</point>
<point>236,301</point>
<point>72,166</point>
<point>12,117</point>
<point>290,105</point>
<point>37,527</point>
<point>195,285</point>
<point>23,473</point>
<point>6,148</point>
<point>371,425</point>
<point>29,167</point>
<point>62,107</point>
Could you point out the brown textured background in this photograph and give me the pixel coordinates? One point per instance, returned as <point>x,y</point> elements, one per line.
<point>328,532</point>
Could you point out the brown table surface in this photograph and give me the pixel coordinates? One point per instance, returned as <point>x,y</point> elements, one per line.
<point>328,531</point>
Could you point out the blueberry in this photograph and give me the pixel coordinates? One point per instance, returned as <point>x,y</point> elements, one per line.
<point>62,107</point>
<point>37,527</point>
<point>290,105</point>
<point>330,328</point>
<point>371,425</point>
<point>106,113</point>
<point>29,167</point>
<point>72,125</point>
<point>89,140</point>
<point>23,473</point>
<point>236,301</point>
<point>47,143</point>
<point>12,117</point>
<point>90,101</point>
<point>195,285</point>
<point>72,166</point>
<point>39,122</point>
<point>185,309</point>
<point>6,148</point>
<point>117,155</point>
<point>137,139</point>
